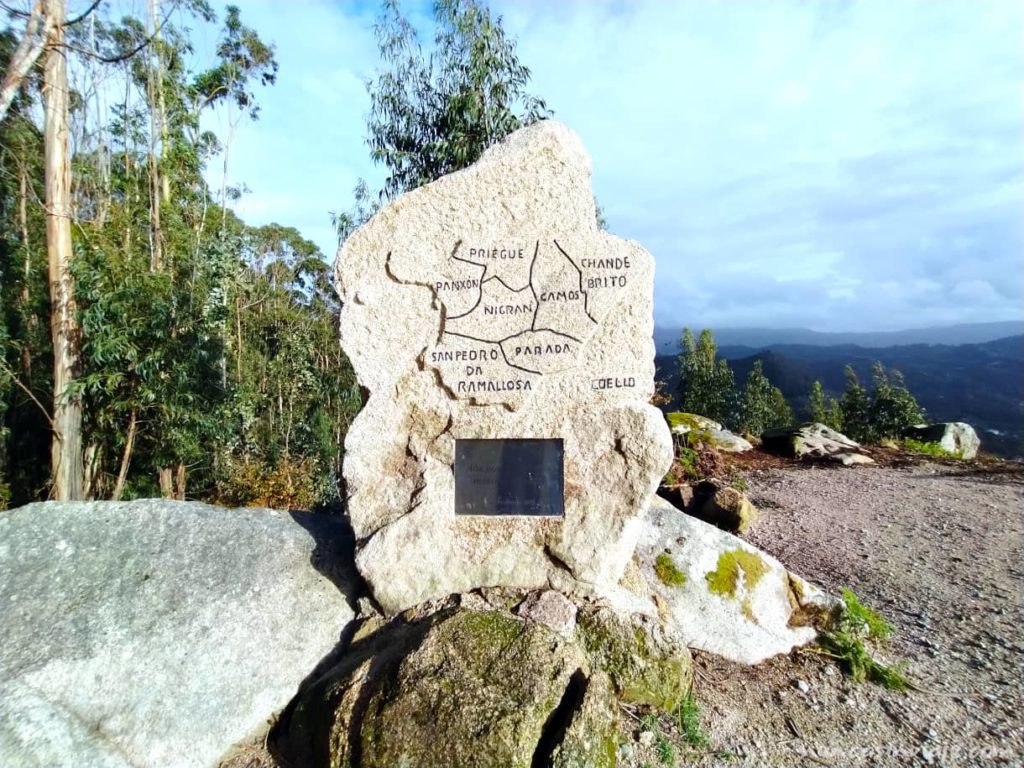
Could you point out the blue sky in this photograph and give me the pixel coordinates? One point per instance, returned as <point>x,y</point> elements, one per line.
<point>832,165</point>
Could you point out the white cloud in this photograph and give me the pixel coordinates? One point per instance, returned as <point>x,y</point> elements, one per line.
<point>854,165</point>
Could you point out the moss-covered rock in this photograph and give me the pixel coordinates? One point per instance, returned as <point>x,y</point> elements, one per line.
<point>722,506</point>
<point>644,664</point>
<point>459,688</point>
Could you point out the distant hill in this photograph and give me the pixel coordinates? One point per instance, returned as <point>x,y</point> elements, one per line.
<point>667,339</point>
<point>982,384</point>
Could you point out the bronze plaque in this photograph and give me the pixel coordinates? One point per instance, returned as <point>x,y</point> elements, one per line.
<point>509,477</point>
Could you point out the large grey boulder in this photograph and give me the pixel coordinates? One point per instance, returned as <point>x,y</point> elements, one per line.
<point>488,305</point>
<point>813,440</point>
<point>158,633</point>
<point>956,437</point>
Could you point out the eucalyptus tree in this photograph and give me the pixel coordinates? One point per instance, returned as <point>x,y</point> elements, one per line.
<point>435,110</point>
<point>707,386</point>
<point>762,406</point>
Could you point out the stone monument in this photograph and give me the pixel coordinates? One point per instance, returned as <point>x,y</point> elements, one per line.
<point>505,343</point>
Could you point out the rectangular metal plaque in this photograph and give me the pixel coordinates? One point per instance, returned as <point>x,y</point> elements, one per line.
<point>509,477</point>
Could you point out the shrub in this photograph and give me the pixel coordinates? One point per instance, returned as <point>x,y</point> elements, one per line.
<point>291,484</point>
<point>928,449</point>
<point>845,642</point>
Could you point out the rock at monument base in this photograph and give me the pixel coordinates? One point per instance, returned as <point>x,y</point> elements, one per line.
<point>158,633</point>
<point>455,688</point>
<point>734,600</point>
<point>646,665</point>
<point>723,507</point>
<point>813,440</point>
<point>722,438</point>
<point>955,437</point>
<point>550,608</point>
<point>488,306</point>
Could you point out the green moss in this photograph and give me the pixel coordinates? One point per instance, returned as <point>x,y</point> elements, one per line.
<point>678,419</point>
<point>929,449</point>
<point>639,673</point>
<point>667,571</point>
<point>733,566</point>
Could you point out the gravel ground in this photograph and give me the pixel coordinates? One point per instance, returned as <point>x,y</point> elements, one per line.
<point>937,549</point>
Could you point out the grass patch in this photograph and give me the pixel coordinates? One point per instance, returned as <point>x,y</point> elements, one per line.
<point>688,720</point>
<point>845,642</point>
<point>929,449</point>
<point>665,751</point>
<point>667,571</point>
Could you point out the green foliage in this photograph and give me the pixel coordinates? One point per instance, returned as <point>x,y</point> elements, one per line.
<point>845,642</point>
<point>668,572</point>
<point>864,620</point>
<point>688,720</point>
<point>928,449</point>
<point>893,409</point>
<point>664,749</point>
<point>855,406</point>
<point>887,412</point>
<point>706,385</point>
<point>431,115</point>
<point>208,348</point>
<point>763,406</point>
<point>823,409</point>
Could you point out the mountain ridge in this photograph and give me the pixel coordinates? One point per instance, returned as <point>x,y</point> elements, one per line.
<point>982,384</point>
<point>667,338</point>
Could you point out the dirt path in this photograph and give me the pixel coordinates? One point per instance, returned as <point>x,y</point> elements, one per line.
<point>938,551</point>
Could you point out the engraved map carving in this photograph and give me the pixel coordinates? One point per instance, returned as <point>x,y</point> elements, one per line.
<point>516,311</point>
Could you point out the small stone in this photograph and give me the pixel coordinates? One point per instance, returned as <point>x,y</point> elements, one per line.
<point>646,738</point>
<point>801,685</point>
<point>927,756</point>
<point>366,609</point>
<point>550,608</point>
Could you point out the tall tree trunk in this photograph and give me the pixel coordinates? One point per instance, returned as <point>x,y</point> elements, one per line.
<point>91,478</point>
<point>155,187</point>
<point>38,27</point>
<point>166,483</point>
<point>26,294</point>
<point>126,458</point>
<point>66,450</point>
<point>179,485</point>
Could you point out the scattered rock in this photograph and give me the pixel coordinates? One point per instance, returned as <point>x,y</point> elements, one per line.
<point>157,633</point>
<point>801,685</point>
<point>722,506</point>
<point>956,437</point>
<point>719,436</point>
<point>851,459</point>
<point>550,608</point>
<point>814,440</point>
